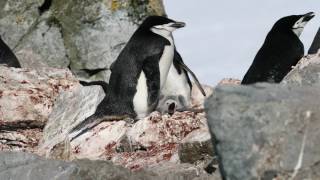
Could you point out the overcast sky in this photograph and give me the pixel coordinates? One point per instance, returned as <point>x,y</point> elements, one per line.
<point>222,37</point>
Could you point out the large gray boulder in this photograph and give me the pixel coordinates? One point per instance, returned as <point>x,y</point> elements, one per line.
<point>266,130</point>
<point>87,34</point>
<point>22,166</point>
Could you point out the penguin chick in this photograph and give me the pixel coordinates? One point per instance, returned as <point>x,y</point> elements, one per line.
<point>177,89</point>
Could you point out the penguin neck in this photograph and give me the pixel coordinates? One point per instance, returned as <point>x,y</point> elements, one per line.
<point>163,33</point>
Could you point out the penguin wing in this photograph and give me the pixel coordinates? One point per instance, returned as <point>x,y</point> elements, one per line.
<point>151,70</point>
<point>178,63</point>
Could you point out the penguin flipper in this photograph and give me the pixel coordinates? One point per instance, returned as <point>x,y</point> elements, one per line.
<point>185,67</point>
<point>151,70</point>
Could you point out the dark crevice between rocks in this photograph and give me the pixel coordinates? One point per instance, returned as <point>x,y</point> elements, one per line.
<point>45,6</point>
<point>14,126</point>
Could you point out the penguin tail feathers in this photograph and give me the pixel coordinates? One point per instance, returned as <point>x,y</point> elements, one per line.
<point>185,67</point>
<point>90,123</point>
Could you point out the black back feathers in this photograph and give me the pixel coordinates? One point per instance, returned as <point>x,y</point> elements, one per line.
<point>281,50</point>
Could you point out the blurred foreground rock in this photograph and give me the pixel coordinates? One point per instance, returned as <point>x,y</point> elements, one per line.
<point>23,166</point>
<point>267,131</point>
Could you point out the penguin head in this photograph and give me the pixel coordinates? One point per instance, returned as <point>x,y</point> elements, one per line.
<point>294,23</point>
<point>160,25</point>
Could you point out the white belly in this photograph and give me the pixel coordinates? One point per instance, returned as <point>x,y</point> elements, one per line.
<point>140,99</point>
<point>177,84</point>
<point>165,63</point>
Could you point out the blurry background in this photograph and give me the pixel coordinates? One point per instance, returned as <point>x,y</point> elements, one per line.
<point>222,37</point>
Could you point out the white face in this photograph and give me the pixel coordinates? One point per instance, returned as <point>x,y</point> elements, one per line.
<point>164,30</point>
<point>298,26</point>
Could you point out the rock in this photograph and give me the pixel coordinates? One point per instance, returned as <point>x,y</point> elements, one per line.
<point>197,146</point>
<point>182,171</point>
<point>229,81</point>
<point>266,130</point>
<point>70,108</point>
<point>146,143</point>
<point>46,42</point>
<point>85,34</point>
<point>197,97</point>
<point>143,144</point>
<point>25,140</point>
<point>306,72</point>
<point>17,18</point>
<point>22,166</point>
<point>27,96</point>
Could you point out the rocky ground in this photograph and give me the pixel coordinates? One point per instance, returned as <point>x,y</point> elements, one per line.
<point>40,107</point>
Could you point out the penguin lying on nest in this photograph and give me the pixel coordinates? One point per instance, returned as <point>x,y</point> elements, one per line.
<point>139,74</point>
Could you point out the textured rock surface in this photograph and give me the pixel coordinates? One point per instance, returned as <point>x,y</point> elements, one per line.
<point>195,147</point>
<point>146,143</point>
<point>27,96</point>
<point>70,107</point>
<point>22,166</point>
<point>306,72</point>
<point>83,33</point>
<point>264,131</point>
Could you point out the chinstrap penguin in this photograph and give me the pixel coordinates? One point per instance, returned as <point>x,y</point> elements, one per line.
<point>7,56</point>
<point>176,94</point>
<point>139,72</point>
<point>315,46</point>
<point>281,50</point>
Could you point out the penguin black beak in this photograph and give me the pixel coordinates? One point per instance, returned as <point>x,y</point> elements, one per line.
<point>178,25</point>
<point>307,17</point>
